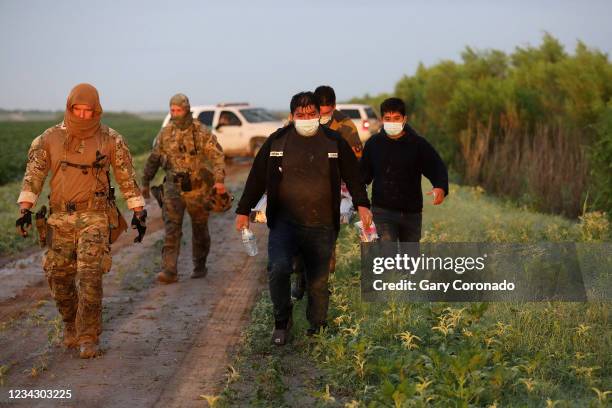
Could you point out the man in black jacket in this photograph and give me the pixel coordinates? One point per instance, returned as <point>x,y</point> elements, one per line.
<point>394,160</point>
<point>300,167</point>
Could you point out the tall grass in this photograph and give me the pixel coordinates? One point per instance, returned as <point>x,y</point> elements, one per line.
<point>545,168</point>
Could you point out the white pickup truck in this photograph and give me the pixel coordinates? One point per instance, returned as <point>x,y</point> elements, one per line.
<point>241,129</point>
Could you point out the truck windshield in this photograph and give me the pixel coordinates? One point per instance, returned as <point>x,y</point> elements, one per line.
<point>256,115</point>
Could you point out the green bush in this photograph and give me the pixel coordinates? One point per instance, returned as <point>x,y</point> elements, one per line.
<point>601,169</point>
<point>504,104</point>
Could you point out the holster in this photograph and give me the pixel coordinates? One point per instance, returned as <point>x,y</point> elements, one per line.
<point>158,193</point>
<point>41,226</point>
<point>184,180</point>
<point>116,222</point>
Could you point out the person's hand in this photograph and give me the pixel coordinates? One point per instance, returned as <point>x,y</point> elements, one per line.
<point>366,216</point>
<point>139,223</point>
<point>242,222</point>
<point>438,194</point>
<point>146,192</point>
<point>220,187</point>
<point>24,222</point>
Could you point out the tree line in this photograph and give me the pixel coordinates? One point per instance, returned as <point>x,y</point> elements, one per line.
<point>534,125</point>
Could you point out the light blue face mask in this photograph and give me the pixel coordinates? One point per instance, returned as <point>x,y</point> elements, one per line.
<point>393,128</point>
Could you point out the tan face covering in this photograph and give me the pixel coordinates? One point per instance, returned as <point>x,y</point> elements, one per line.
<point>83,94</point>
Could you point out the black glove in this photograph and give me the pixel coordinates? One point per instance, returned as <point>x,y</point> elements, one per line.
<point>24,223</point>
<point>139,222</point>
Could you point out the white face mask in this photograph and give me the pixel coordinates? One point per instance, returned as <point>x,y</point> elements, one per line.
<point>393,128</point>
<point>325,119</point>
<point>307,127</point>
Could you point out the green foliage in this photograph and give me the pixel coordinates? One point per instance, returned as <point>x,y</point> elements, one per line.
<point>395,354</point>
<point>474,354</point>
<point>16,138</point>
<point>516,96</point>
<point>601,169</point>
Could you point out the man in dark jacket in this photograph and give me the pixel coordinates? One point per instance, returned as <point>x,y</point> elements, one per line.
<point>300,167</point>
<point>338,121</point>
<point>394,160</point>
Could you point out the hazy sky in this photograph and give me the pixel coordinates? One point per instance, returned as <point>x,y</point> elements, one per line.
<point>139,53</point>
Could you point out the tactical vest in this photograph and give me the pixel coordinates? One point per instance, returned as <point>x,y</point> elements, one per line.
<point>81,178</point>
<point>191,171</point>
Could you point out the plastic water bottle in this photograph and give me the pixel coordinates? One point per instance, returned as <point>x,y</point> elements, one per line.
<point>249,241</point>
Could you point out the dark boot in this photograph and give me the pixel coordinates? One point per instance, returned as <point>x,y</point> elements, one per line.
<point>199,272</point>
<point>280,335</point>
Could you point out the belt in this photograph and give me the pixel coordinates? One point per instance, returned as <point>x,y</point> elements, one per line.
<point>71,207</point>
<point>195,183</point>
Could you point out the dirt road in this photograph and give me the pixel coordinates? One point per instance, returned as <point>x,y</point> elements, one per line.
<point>164,346</point>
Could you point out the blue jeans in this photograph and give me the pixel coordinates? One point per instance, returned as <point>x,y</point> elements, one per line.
<point>315,245</point>
<point>393,225</point>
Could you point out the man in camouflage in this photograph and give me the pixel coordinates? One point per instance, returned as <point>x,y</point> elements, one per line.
<point>194,163</point>
<point>338,121</point>
<point>79,153</point>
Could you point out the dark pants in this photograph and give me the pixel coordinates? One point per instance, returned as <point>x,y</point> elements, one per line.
<point>394,226</point>
<point>315,246</point>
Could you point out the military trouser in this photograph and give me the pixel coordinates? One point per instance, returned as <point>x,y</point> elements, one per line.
<point>78,256</point>
<point>173,210</point>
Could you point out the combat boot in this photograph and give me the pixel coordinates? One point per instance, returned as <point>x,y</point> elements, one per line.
<point>166,278</point>
<point>88,349</point>
<point>70,339</point>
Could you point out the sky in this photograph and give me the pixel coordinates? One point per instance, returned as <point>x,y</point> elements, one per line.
<point>139,53</point>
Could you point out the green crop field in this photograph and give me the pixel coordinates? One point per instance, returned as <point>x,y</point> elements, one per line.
<point>17,136</point>
<point>437,354</point>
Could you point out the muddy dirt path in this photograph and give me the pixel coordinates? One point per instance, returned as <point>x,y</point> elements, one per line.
<point>164,345</point>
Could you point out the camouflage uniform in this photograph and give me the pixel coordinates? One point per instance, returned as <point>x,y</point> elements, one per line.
<point>78,225</point>
<point>194,151</point>
<point>347,129</point>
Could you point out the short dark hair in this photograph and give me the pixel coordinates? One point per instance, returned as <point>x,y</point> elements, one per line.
<point>302,100</point>
<point>325,95</point>
<point>393,105</point>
